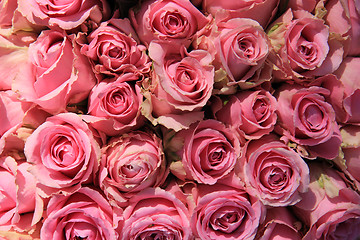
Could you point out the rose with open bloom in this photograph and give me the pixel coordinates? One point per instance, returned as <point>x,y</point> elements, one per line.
<point>273,172</point>
<point>303,47</point>
<point>305,118</point>
<point>64,14</point>
<point>330,209</point>
<point>181,84</point>
<point>56,73</point>
<point>156,214</point>
<point>206,152</point>
<point>130,163</point>
<point>177,21</point>
<point>64,154</point>
<point>114,106</point>
<point>251,113</point>
<point>85,214</point>
<point>114,49</point>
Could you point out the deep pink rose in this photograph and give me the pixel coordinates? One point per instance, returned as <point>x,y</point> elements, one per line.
<point>85,214</point>
<point>262,11</point>
<point>180,86</point>
<point>330,209</point>
<point>64,14</point>
<point>303,47</point>
<point>306,119</point>
<point>274,172</point>
<point>156,214</point>
<point>206,152</point>
<point>56,73</point>
<point>280,224</point>
<point>114,106</point>
<point>251,113</point>
<point>64,154</point>
<point>225,212</point>
<point>177,21</point>
<point>114,49</point>
<point>129,164</point>
<point>21,207</point>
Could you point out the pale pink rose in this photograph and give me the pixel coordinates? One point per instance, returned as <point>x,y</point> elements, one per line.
<point>240,47</point>
<point>178,21</point>
<point>280,224</point>
<point>225,212</point>
<point>181,84</point>
<point>64,154</point>
<point>114,49</point>
<point>114,106</point>
<point>274,172</point>
<point>348,73</point>
<point>21,207</point>
<point>206,152</point>
<point>330,209</point>
<point>261,11</point>
<point>303,47</point>
<point>129,164</point>
<point>156,213</point>
<point>56,74</point>
<point>305,118</point>
<point>250,113</point>
<point>85,214</point>
<point>7,9</point>
<point>64,14</point>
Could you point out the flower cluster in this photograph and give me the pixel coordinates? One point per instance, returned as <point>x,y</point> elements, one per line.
<point>179,119</point>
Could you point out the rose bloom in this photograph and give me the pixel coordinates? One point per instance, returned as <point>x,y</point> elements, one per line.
<point>306,119</point>
<point>206,152</point>
<point>274,172</point>
<point>131,163</point>
<point>114,106</point>
<point>330,209</point>
<point>64,154</point>
<point>225,212</point>
<point>156,214</point>
<point>64,14</point>
<point>56,73</point>
<point>303,47</point>
<point>20,205</point>
<point>177,21</point>
<point>280,224</point>
<point>181,84</point>
<point>261,11</point>
<point>251,113</point>
<point>114,49</point>
<point>85,214</point>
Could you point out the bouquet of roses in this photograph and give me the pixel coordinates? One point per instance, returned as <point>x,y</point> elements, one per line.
<point>179,119</point>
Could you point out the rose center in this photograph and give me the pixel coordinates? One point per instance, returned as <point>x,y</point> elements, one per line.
<point>260,109</point>
<point>227,219</point>
<point>277,177</point>
<point>308,51</point>
<point>313,116</point>
<point>246,47</point>
<point>173,22</point>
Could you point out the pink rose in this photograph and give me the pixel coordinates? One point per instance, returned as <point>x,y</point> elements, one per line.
<point>64,14</point>
<point>206,152</point>
<point>177,21</point>
<point>20,205</point>
<point>306,119</point>
<point>7,9</point>
<point>56,73</point>
<point>274,172</point>
<point>250,113</point>
<point>261,11</point>
<point>64,154</point>
<point>114,106</point>
<point>113,50</point>
<point>330,209</point>
<point>180,86</point>
<point>225,212</point>
<point>85,214</point>
<point>158,214</point>
<point>303,47</point>
<point>129,164</point>
<point>280,224</point>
